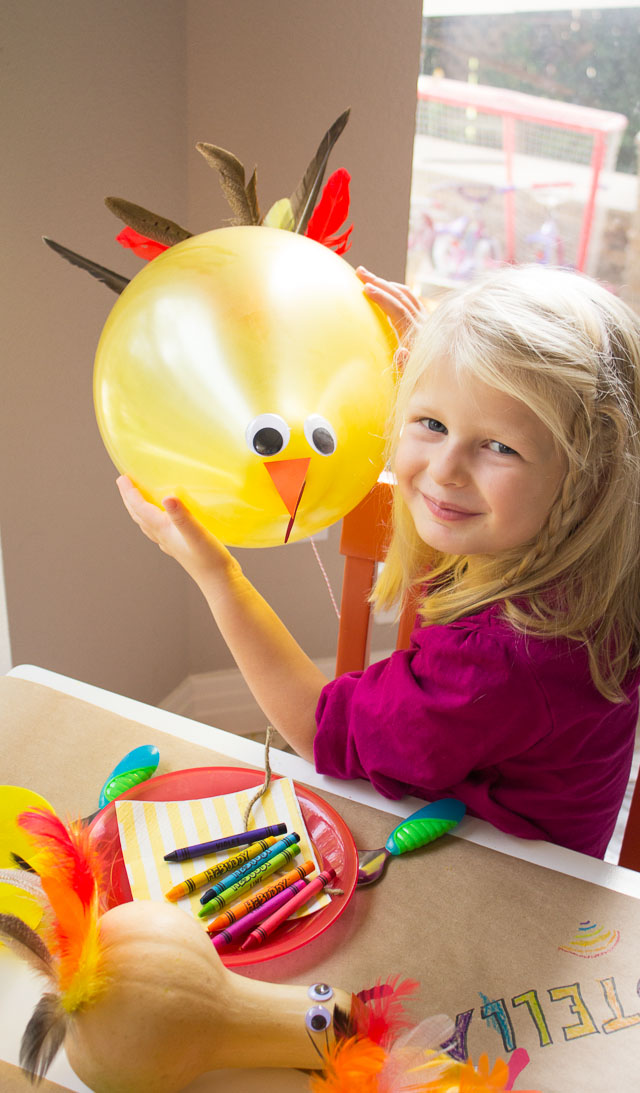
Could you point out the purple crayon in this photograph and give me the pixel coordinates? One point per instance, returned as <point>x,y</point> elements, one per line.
<point>184,853</point>
<point>245,925</point>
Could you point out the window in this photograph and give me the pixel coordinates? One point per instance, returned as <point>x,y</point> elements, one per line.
<point>525,144</point>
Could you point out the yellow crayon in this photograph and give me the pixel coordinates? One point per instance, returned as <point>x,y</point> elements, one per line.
<point>261,895</point>
<point>186,887</point>
<point>261,872</point>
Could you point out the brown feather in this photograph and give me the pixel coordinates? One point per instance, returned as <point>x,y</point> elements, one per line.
<point>231,175</point>
<point>147,223</point>
<point>43,1036</point>
<point>26,943</point>
<point>19,862</point>
<point>112,280</point>
<point>304,198</point>
<point>344,1025</point>
<point>252,197</point>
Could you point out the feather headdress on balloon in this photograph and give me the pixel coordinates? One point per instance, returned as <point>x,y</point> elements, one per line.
<point>266,373</point>
<point>311,210</point>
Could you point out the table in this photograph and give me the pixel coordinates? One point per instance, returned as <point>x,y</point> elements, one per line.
<point>485,922</point>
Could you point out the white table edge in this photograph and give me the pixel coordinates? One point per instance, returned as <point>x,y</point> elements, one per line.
<point>541,853</point>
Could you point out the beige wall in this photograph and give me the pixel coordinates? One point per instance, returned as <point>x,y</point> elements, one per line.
<point>109,98</point>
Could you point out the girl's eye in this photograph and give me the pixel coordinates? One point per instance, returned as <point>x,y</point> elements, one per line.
<point>433,425</point>
<point>502,449</point>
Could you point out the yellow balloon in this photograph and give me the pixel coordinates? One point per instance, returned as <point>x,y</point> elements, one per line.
<point>245,372</point>
<point>14,901</point>
<point>13,838</point>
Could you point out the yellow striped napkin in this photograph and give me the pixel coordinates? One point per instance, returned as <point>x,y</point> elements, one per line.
<point>150,829</point>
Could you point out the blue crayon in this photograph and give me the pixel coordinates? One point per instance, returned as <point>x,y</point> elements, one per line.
<point>260,873</point>
<point>248,867</point>
<point>198,850</point>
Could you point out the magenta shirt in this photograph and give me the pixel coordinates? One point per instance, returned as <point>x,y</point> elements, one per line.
<point>511,725</point>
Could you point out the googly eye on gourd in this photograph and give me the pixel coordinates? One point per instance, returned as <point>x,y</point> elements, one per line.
<point>317,1019</point>
<point>267,434</point>
<point>320,992</point>
<point>320,434</point>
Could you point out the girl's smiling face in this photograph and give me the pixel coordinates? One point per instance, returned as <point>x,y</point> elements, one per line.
<point>477,469</point>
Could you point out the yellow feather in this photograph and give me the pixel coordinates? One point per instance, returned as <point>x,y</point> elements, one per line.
<point>87,979</point>
<point>280,215</point>
<point>70,870</point>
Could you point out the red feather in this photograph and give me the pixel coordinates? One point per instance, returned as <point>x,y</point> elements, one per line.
<point>331,212</point>
<point>71,871</point>
<point>71,856</point>
<point>140,244</point>
<point>379,1013</point>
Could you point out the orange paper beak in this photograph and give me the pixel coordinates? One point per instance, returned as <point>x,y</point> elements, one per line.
<point>289,476</point>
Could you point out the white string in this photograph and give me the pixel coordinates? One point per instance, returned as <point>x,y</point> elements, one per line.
<point>324,574</point>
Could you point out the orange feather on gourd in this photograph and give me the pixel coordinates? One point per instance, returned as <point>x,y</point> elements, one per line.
<point>71,872</point>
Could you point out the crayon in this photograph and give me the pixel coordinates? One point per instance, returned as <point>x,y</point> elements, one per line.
<point>248,867</point>
<point>245,925</point>
<point>261,932</point>
<point>261,872</point>
<point>259,897</point>
<point>183,853</point>
<point>186,887</point>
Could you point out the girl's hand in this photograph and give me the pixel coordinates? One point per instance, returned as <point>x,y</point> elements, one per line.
<point>179,535</point>
<point>397,301</point>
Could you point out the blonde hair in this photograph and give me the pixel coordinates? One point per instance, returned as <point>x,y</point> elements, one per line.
<point>569,350</point>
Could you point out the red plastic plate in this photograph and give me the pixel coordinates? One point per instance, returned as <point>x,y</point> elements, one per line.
<point>331,838</point>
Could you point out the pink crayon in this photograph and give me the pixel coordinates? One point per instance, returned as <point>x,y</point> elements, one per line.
<point>245,925</point>
<point>258,897</point>
<point>262,931</point>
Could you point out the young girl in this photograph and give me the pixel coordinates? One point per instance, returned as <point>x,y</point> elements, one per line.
<point>515,443</point>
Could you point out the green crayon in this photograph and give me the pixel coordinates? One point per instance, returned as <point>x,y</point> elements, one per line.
<point>249,866</point>
<point>261,872</point>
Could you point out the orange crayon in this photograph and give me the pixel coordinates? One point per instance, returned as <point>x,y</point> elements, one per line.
<point>260,896</point>
<point>214,872</point>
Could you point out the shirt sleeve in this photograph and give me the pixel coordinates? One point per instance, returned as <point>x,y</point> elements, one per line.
<point>461,698</point>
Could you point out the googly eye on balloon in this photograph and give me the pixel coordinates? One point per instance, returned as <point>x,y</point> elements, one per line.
<point>320,435</point>
<point>267,434</point>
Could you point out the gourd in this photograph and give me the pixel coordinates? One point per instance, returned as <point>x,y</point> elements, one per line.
<point>138,995</point>
<point>170,1011</point>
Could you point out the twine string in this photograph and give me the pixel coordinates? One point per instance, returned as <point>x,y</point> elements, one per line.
<point>263,789</point>
<point>267,778</point>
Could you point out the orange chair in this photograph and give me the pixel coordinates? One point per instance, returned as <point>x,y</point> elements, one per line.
<point>364,540</point>
<point>630,849</point>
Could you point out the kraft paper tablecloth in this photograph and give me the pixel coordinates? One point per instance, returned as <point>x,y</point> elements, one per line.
<point>505,947</point>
